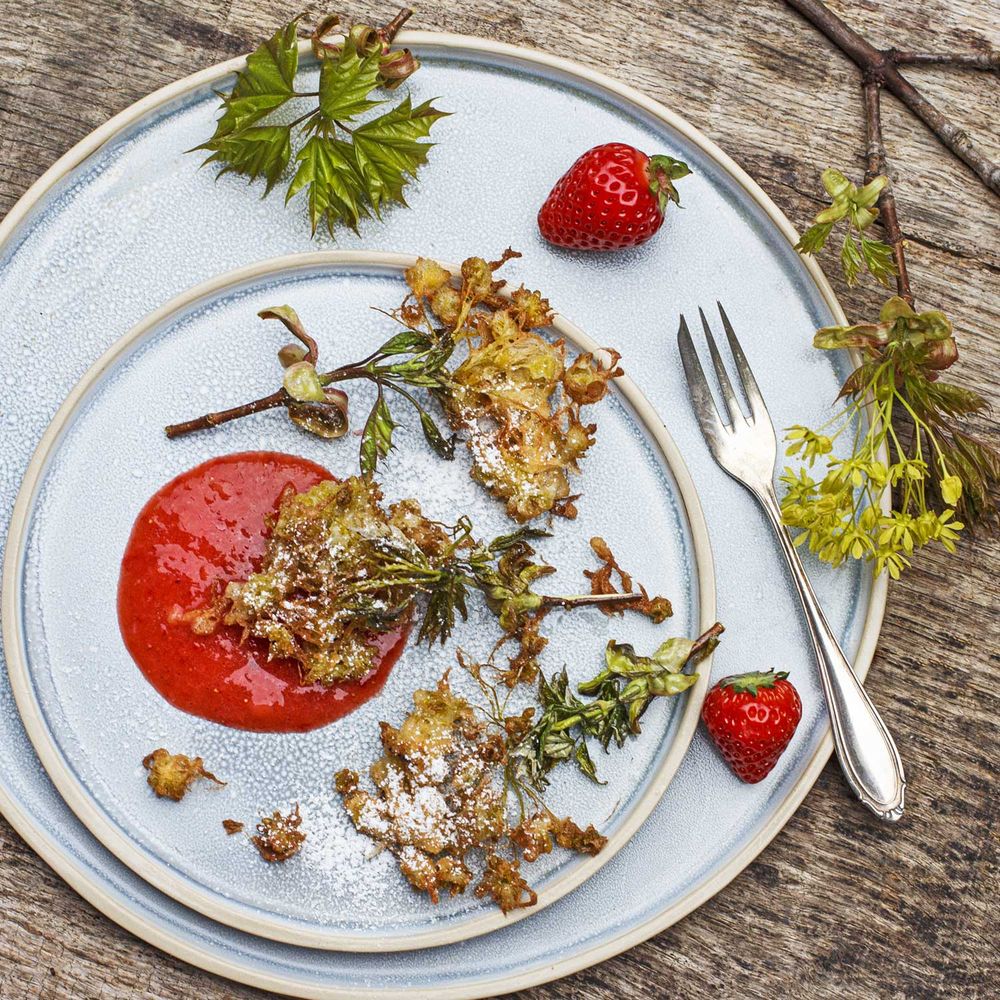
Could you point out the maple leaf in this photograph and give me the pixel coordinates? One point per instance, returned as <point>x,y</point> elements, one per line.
<point>336,192</point>
<point>348,170</point>
<point>258,151</point>
<point>345,83</point>
<point>265,85</point>
<point>387,152</point>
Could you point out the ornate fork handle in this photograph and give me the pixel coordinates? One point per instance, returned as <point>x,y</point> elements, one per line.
<point>867,753</point>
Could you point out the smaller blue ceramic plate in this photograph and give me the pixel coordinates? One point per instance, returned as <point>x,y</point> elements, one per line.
<point>92,716</point>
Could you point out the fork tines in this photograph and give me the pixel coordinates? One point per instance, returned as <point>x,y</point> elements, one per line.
<point>753,432</point>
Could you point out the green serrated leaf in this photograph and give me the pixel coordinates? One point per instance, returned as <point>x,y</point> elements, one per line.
<point>586,763</point>
<point>258,151</point>
<point>444,446</point>
<point>267,83</point>
<point>850,259</point>
<point>336,192</point>
<point>387,153</point>
<point>376,438</point>
<point>406,341</point>
<point>346,82</point>
<point>878,259</point>
<point>815,237</point>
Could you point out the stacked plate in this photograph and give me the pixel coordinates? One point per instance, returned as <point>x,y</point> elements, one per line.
<point>129,286</point>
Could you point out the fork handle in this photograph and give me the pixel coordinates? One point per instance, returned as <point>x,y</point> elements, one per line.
<point>867,753</point>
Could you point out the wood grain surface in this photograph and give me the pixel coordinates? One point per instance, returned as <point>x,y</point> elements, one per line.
<point>838,905</point>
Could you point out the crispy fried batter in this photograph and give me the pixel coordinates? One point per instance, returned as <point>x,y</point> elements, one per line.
<point>657,609</point>
<point>440,796</point>
<point>315,598</point>
<point>172,774</point>
<point>534,835</point>
<point>513,397</point>
<point>278,836</point>
<point>232,826</point>
<point>503,881</point>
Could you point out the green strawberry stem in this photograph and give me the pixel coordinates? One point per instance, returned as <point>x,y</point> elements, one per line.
<point>663,171</point>
<point>750,682</point>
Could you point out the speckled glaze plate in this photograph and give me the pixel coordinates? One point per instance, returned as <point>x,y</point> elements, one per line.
<point>92,717</point>
<point>124,222</point>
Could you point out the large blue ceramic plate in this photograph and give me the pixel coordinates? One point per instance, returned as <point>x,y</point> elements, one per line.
<point>124,223</point>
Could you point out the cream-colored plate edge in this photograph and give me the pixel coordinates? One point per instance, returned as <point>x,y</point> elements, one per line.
<point>161,875</point>
<point>206,959</point>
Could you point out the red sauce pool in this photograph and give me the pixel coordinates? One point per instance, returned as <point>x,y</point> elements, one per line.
<point>208,524</point>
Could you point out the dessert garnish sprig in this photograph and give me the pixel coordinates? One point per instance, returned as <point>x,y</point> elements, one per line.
<point>938,476</point>
<point>349,168</point>
<point>478,356</point>
<point>616,699</point>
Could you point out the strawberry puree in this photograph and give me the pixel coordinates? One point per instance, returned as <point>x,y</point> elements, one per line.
<point>209,525</point>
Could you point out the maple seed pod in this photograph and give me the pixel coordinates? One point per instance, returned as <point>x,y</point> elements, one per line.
<point>291,354</point>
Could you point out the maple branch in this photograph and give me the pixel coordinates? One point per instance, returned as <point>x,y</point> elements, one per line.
<point>276,399</point>
<point>389,31</point>
<point>881,66</point>
<point>875,164</point>
<point>986,61</point>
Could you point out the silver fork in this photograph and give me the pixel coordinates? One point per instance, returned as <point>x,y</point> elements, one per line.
<point>746,449</point>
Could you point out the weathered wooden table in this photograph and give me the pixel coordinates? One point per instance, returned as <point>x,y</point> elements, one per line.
<point>838,905</point>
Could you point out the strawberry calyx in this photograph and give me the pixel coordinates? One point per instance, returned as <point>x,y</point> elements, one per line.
<point>663,171</point>
<point>749,683</point>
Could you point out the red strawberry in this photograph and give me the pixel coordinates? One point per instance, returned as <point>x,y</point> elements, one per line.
<point>613,197</point>
<point>751,719</point>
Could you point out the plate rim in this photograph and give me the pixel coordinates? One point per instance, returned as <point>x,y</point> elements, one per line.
<point>153,932</point>
<point>115,836</point>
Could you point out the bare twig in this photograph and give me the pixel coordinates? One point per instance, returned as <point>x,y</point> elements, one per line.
<point>276,399</point>
<point>987,61</point>
<point>881,67</point>
<point>875,164</point>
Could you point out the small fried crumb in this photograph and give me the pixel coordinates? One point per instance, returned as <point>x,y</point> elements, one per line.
<point>278,837</point>
<point>172,774</point>
<point>232,826</point>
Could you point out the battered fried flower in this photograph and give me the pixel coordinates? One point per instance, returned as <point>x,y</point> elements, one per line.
<point>441,797</point>
<point>478,353</point>
<point>513,397</point>
<point>504,882</point>
<point>172,774</point>
<point>278,836</point>
<point>313,598</point>
<point>339,569</point>
<point>534,835</point>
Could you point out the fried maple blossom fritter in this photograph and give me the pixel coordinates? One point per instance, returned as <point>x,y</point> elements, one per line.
<point>340,569</point>
<point>278,836</point>
<point>172,774</point>
<point>513,397</point>
<point>440,802</point>
<point>479,354</point>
